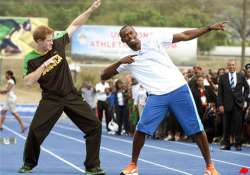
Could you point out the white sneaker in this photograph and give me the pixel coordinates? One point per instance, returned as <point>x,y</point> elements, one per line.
<point>111,132</point>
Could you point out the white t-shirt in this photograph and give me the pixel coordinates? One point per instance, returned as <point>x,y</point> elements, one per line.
<point>89,96</point>
<point>153,68</point>
<point>120,99</point>
<point>11,96</point>
<point>248,81</point>
<point>135,89</point>
<point>100,91</point>
<point>141,97</point>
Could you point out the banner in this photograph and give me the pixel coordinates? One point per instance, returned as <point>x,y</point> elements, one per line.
<point>16,35</point>
<point>104,42</point>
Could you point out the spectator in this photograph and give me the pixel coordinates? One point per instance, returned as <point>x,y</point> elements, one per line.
<point>10,104</point>
<point>230,101</point>
<point>197,70</point>
<point>102,89</point>
<point>121,107</point>
<point>205,98</point>
<point>88,94</point>
<point>247,114</point>
<point>141,98</point>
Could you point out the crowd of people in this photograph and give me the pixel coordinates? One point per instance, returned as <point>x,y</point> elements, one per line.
<point>123,100</point>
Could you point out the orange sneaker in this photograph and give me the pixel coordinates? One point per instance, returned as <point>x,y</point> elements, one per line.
<point>211,170</point>
<point>131,169</point>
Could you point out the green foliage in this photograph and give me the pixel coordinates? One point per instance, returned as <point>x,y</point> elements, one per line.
<point>142,17</point>
<point>189,18</point>
<point>207,42</point>
<point>155,13</point>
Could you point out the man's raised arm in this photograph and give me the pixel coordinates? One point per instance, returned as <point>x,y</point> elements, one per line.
<point>81,19</point>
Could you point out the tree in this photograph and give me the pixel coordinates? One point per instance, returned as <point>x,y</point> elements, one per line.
<point>143,17</point>
<point>239,24</point>
<point>243,32</point>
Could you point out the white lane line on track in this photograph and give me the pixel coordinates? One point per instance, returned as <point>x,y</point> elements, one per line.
<point>47,151</point>
<point>158,148</point>
<point>124,140</point>
<point>120,153</point>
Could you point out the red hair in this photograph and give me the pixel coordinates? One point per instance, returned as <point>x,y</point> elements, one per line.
<point>41,32</point>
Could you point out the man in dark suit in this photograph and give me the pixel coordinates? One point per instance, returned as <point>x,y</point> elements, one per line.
<point>232,94</point>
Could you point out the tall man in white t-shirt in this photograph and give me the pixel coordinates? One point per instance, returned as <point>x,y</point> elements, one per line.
<point>166,86</point>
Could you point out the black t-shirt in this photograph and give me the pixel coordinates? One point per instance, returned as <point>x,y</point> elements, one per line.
<point>56,78</point>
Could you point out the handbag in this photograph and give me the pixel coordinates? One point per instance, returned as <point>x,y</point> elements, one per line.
<point>113,126</point>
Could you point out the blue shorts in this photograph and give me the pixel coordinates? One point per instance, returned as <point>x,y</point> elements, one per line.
<point>179,102</point>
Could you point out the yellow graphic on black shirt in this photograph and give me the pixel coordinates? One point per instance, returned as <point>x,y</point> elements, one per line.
<point>56,60</point>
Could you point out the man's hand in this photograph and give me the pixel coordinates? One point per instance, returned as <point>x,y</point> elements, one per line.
<point>48,62</point>
<point>110,71</point>
<point>95,5</point>
<point>221,109</point>
<point>218,26</point>
<point>128,59</point>
<point>245,105</point>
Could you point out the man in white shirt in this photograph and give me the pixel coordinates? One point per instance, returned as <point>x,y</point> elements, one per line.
<point>166,86</point>
<point>88,94</point>
<point>102,89</point>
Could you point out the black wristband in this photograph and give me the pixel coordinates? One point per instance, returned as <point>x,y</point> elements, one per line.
<point>209,28</point>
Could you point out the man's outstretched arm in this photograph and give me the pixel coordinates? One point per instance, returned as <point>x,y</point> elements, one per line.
<point>191,34</point>
<point>111,70</point>
<point>81,19</point>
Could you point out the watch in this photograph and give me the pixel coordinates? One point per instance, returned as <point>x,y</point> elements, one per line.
<point>209,28</point>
